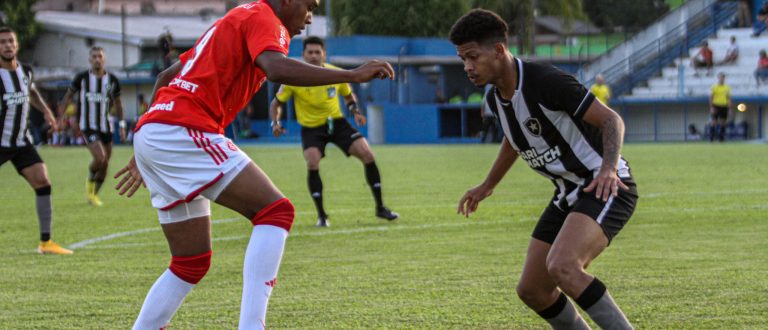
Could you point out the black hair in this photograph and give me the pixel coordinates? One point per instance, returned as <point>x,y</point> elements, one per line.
<point>313,40</point>
<point>481,26</point>
<point>7,29</point>
<point>96,49</point>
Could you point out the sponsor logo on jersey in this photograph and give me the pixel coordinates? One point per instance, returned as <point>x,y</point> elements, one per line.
<point>15,98</point>
<point>162,106</point>
<point>231,146</point>
<point>183,84</point>
<point>533,126</point>
<point>96,97</point>
<point>283,38</point>
<point>537,160</point>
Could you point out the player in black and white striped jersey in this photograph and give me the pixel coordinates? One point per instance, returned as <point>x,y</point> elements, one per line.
<point>18,94</point>
<point>565,134</point>
<point>97,91</point>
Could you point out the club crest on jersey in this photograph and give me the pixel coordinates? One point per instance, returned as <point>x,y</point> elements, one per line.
<point>331,92</point>
<point>533,126</point>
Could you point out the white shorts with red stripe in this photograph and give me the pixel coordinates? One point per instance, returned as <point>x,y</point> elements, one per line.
<point>179,163</point>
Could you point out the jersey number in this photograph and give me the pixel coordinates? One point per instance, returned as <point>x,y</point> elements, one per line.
<point>198,50</point>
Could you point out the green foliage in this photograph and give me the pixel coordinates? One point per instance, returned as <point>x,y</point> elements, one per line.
<point>18,14</point>
<point>424,18</point>
<point>629,14</point>
<point>692,256</point>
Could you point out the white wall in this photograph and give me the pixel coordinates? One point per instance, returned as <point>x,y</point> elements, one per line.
<point>61,50</point>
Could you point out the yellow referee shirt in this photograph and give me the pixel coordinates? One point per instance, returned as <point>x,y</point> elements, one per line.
<point>720,95</point>
<point>315,104</point>
<point>602,92</point>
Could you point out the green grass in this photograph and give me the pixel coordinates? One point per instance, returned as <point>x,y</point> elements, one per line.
<point>692,257</point>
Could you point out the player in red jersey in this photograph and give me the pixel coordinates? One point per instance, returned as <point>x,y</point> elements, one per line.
<point>185,161</point>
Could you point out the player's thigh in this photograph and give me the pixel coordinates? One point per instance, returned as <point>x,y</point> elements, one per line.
<point>190,237</point>
<point>361,150</point>
<point>313,155</point>
<point>96,148</point>
<point>250,191</point>
<point>581,240</point>
<point>36,174</point>
<point>107,151</point>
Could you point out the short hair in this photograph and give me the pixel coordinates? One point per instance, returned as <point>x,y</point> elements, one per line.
<point>481,26</point>
<point>6,29</point>
<point>313,40</point>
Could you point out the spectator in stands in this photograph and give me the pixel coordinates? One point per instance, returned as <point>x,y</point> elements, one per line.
<point>703,59</point>
<point>762,20</point>
<point>475,98</point>
<point>719,103</point>
<point>141,104</point>
<point>601,90</point>
<point>732,54</point>
<point>693,133</point>
<point>743,14</point>
<point>456,98</point>
<point>761,73</point>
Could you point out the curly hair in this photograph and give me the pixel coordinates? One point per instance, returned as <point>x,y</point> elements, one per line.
<point>481,26</point>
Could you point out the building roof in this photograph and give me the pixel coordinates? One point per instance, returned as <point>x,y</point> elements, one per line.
<point>141,30</point>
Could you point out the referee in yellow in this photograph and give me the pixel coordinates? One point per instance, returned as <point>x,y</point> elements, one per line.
<point>601,91</point>
<point>719,104</point>
<point>319,114</point>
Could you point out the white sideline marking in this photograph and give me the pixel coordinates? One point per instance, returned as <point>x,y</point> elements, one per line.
<point>321,232</point>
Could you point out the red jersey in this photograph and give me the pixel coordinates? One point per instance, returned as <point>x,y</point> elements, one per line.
<point>219,74</point>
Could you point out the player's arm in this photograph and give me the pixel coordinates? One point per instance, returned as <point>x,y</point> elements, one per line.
<point>607,182</point>
<point>504,161</point>
<point>65,101</point>
<point>121,117</point>
<point>275,113</point>
<point>351,102</point>
<point>38,103</point>
<point>164,78</point>
<point>283,70</point>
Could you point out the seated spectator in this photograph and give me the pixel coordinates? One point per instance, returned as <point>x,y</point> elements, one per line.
<point>456,98</point>
<point>693,133</point>
<point>475,98</point>
<point>732,54</point>
<point>761,73</point>
<point>703,59</point>
<point>743,14</point>
<point>762,20</point>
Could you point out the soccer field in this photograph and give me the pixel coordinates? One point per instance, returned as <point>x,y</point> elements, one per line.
<point>694,255</point>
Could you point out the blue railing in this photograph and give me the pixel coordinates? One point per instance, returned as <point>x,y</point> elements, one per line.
<point>649,60</point>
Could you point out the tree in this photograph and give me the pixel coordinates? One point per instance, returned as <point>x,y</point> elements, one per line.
<point>19,15</point>
<point>520,15</point>
<point>634,14</point>
<point>423,18</point>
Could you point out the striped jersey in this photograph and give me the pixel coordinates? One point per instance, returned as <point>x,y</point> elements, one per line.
<point>14,107</point>
<point>96,95</point>
<point>544,123</point>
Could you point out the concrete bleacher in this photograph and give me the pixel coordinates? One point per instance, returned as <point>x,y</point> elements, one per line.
<point>681,80</point>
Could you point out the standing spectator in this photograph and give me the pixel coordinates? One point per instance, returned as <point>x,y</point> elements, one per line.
<point>719,103</point>
<point>732,54</point>
<point>761,73</point>
<point>743,14</point>
<point>141,104</point>
<point>762,20</point>
<point>703,59</point>
<point>601,90</point>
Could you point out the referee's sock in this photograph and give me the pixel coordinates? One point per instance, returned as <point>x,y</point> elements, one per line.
<point>316,190</point>
<point>563,315</point>
<point>374,180</point>
<point>599,304</point>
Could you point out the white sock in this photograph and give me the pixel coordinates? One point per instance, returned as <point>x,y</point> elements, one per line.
<point>262,259</point>
<point>162,301</point>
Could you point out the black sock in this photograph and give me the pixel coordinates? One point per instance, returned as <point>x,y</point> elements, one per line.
<point>316,190</point>
<point>45,237</point>
<point>44,211</point>
<point>91,175</point>
<point>99,182</point>
<point>374,180</point>
<point>591,294</point>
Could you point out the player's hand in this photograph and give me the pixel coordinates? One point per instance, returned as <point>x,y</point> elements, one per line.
<point>472,198</point>
<point>278,130</point>
<point>52,123</point>
<point>360,119</point>
<point>131,180</point>
<point>373,70</point>
<point>605,185</point>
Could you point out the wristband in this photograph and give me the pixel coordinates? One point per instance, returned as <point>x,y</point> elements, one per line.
<point>274,123</point>
<point>121,124</point>
<point>352,108</point>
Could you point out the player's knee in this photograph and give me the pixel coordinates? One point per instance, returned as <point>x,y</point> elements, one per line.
<point>280,214</point>
<point>191,269</point>
<point>563,270</point>
<point>532,295</point>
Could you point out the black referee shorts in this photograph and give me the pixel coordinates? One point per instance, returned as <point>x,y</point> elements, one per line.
<point>611,215</point>
<point>342,135</point>
<point>720,113</point>
<point>21,157</point>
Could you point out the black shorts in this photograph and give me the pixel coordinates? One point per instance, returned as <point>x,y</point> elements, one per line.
<point>93,136</point>
<point>342,135</point>
<point>610,216</point>
<point>21,157</point>
<point>720,113</point>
